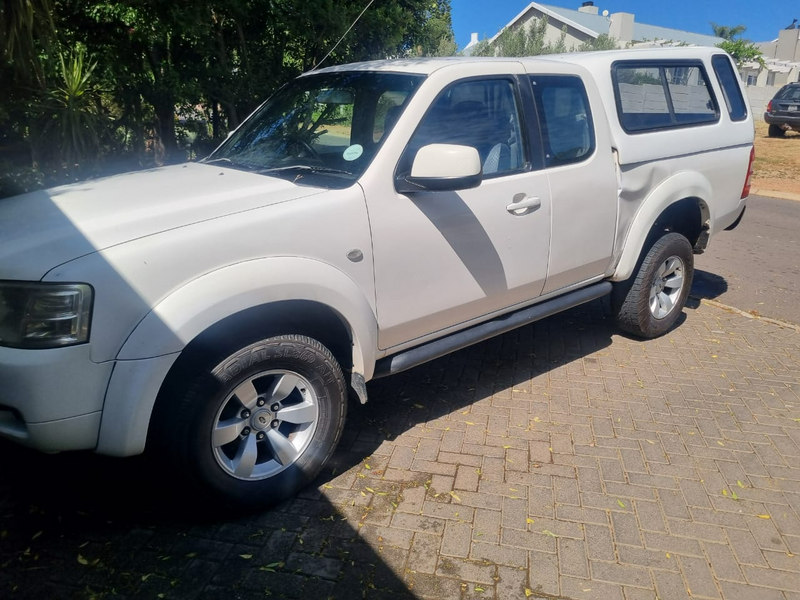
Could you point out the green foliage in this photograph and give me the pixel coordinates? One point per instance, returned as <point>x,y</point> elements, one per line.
<point>742,51</point>
<point>527,39</point>
<point>602,42</point>
<point>728,32</point>
<point>71,120</point>
<point>215,60</point>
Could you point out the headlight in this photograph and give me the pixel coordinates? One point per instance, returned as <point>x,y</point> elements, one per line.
<point>44,315</point>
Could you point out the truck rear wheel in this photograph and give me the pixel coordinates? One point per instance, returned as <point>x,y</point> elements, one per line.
<point>257,426</point>
<point>648,304</point>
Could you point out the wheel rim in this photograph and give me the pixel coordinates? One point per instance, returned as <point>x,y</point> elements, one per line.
<point>665,292</point>
<point>264,425</point>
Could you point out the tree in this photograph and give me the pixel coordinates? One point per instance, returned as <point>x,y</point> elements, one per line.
<point>742,52</point>
<point>727,32</point>
<point>526,39</point>
<point>601,42</point>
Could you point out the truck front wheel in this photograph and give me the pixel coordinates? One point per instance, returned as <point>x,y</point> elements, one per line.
<point>648,304</point>
<point>256,426</point>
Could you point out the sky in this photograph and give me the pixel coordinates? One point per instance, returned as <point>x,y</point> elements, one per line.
<point>763,19</point>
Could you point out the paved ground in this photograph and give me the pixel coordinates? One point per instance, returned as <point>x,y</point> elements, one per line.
<point>756,267</point>
<point>559,461</point>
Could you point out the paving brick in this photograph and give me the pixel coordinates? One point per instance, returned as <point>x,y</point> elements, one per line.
<point>745,547</point>
<point>424,552</point>
<point>670,585</point>
<point>599,543</point>
<point>500,555</point>
<point>723,562</point>
<point>738,591</point>
<point>543,573</point>
<point>590,590</point>
<point>698,577</point>
<point>626,528</point>
<point>466,570</point>
<point>572,558</point>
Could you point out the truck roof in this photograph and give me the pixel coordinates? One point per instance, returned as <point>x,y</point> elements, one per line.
<point>426,66</point>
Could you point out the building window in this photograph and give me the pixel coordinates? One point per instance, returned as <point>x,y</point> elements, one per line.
<point>771,78</point>
<point>751,80</point>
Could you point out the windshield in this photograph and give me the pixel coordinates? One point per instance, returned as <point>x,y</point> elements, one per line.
<point>790,92</point>
<point>324,129</point>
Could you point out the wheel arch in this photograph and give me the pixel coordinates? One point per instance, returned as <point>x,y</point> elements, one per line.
<point>681,204</point>
<point>256,299</point>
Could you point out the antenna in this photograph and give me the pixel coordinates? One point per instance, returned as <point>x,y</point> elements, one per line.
<point>343,36</point>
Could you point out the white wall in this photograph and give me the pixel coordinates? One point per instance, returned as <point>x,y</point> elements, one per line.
<point>758,98</point>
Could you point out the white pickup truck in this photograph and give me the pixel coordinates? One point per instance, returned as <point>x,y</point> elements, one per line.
<point>366,219</point>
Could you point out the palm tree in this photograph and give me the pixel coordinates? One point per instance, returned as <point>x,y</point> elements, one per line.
<point>727,32</point>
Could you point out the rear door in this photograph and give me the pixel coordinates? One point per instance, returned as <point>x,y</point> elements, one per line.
<point>581,171</point>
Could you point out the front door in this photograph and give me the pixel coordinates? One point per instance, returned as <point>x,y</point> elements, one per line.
<point>443,259</point>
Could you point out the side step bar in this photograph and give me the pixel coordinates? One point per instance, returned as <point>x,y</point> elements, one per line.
<point>408,359</point>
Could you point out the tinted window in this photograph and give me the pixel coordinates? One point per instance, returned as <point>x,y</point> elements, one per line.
<point>564,119</point>
<point>690,96</point>
<point>660,96</point>
<point>790,92</point>
<point>387,112</point>
<point>729,82</point>
<point>482,114</point>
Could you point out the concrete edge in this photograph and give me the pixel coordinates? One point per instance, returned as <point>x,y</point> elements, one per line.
<point>774,194</point>
<point>738,311</point>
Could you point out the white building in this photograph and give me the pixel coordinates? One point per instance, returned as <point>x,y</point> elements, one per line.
<point>588,22</point>
<point>782,61</point>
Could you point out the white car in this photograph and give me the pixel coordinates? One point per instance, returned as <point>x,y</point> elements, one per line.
<point>367,218</point>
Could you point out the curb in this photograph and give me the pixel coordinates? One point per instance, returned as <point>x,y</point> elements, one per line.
<point>774,194</point>
<point>740,312</point>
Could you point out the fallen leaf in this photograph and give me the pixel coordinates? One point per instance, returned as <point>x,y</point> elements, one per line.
<point>36,535</point>
<point>720,443</point>
<point>724,492</point>
<point>191,555</point>
<point>550,533</point>
<point>369,489</point>
<point>455,497</point>
<point>668,555</point>
<point>247,556</point>
<point>479,589</point>
<point>146,577</point>
<point>529,520</point>
<point>764,517</point>
<point>621,503</point>
<point>470,423</point>
<point>734,496</point>
<point>82,560</point>
<point>367,466</point>
<point>528,593</point>
<point>650,441</point>
<point>506,447</point>
<point>739,483</point>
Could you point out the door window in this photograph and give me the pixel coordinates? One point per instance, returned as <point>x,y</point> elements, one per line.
<point>481,113</point>
<point>565,119</point>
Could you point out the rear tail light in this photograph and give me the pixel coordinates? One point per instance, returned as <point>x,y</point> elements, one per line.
<point>769,107</point>
<point>748,182</point>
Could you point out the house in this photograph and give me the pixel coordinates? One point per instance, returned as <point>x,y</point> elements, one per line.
<point>587,23</point>
<point>781,61</point>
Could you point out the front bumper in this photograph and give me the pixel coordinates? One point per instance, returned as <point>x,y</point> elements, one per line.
<point>52,400</point>
<point>793,122</point>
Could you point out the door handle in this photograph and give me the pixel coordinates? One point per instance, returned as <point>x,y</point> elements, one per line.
<point>524,206</point>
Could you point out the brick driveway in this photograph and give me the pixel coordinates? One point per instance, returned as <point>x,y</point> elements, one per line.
<point>558,461</point>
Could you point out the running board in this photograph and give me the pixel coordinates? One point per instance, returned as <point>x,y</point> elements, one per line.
<point>408,359</point>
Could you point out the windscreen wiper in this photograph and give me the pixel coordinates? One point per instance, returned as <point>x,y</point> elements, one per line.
<point>231,163</point>
<point>312,168</point>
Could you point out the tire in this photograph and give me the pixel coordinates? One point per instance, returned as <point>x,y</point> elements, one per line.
<point>632,301</point>
<point>776,131</point>
<point>217,427</point>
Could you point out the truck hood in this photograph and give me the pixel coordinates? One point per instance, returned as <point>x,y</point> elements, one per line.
<point>41,230</point>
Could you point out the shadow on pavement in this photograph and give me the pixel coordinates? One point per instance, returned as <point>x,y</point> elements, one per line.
<point>85,526</point>
<point>707,286</point>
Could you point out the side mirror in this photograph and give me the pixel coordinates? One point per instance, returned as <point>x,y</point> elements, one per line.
<point>442,168</point>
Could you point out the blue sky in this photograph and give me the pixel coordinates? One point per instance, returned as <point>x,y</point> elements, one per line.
<point>763,19</point>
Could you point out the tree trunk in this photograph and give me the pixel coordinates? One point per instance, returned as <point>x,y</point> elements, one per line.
<point>165,131</point>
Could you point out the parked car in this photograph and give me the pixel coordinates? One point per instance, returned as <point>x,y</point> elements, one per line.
<point>783,111</point>
<point>366,219</point>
